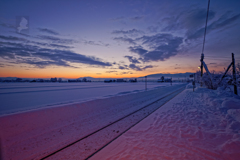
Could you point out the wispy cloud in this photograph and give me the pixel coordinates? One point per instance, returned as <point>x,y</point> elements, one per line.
<point>49,31</point>
<point>132,32</point>
<point>110,71</point>
<point>55,39</point>
<point>99,43</point>
<point>136,18</point>
<point>43,57</point>
<point>11,38</point>
<point>117,18</point>
<point>125,39</point>
<point>220,23</point>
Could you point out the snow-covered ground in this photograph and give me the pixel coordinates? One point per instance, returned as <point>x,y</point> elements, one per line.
<point>27,96</point>
<point>40,132</point>
<point>204,124</point>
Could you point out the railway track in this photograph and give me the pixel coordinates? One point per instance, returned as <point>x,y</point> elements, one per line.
<point>87,146</point>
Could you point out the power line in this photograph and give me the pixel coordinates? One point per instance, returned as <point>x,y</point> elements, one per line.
<point>206,26</point>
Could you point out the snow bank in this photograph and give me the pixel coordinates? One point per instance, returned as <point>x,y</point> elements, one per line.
<point>234,113</point>
<point>191,126</point>
<point>231,104</point>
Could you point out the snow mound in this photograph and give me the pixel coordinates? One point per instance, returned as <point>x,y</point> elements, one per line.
<point>189,86</point>
<point>231,104</point>
<point>234,113</point>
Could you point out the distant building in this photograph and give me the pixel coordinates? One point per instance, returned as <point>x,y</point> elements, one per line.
<point>167,80</point>
<point>164,79</point>
<point>19,80</point>
<point>107,81</point>
<point>72,80</point>
<point>7,80</point>
<point>133,80</point>
<point>40,80</point>
<point>120,80</point>
<point>33,80</point>
<point>54,79</point>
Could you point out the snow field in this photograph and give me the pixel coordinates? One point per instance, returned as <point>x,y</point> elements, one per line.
<point>194,125</point>
<point>16,97</point>
<point>37,133</point>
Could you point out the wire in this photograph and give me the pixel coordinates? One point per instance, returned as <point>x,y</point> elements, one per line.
<point>206,26</point>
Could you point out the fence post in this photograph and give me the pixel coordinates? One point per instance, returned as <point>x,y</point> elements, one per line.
<point>234,75</point>
<point>145,82</point>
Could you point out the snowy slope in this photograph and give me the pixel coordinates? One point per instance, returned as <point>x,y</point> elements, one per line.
<point>204,124</point>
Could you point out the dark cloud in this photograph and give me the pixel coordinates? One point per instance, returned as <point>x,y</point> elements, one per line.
<point>56,39</point>
<point>146,67</point>
<point>43,57</point>
<point>49,31</point>
<point>132,59</point>
<point>138,68</point>
<point>222,22</point>
<point>122,67</point>
<point>138,49</point>
<point>134,67</point>
<point>110,71</point>
<point>162,47</point>
<point>11,38</point>
<point>125,39</point>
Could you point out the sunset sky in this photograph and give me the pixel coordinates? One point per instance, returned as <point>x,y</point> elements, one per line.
<point>115,38</point>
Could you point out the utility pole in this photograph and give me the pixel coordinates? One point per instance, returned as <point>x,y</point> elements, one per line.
<point>193,83</point>
<point>234,75</point>
<point>202,57</point>
<point>145,82</point>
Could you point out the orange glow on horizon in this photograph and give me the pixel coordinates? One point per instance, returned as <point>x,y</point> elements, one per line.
<point>74,74</point>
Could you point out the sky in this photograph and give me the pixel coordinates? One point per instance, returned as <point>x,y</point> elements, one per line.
<point>115,38</point>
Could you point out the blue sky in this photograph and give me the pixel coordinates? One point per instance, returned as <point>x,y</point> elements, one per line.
<point>116,38</point>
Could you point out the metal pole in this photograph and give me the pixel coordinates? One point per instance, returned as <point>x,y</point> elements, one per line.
<point>202,57</point>
<point>234,75</point>
<point>145,82</point>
